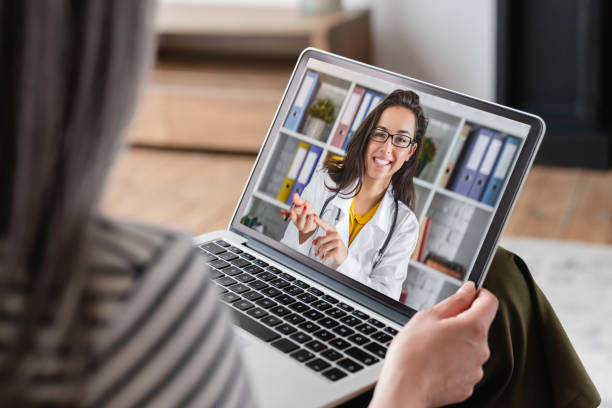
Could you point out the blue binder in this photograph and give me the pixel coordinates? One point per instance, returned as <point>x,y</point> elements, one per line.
<point>362,112</point>
<point>308,167</point>
<point>471,159</point>
<point>302,101</point>
<point>501,170</point>
<point>484,172</point>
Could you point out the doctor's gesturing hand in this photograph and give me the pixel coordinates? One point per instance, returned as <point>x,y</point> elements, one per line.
<point>302,215</point>
<point>330,245</point>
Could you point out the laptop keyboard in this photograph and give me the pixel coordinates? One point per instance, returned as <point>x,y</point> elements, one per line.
<point>315,328</point>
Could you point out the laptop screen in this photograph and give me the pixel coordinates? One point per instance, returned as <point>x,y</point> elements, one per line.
<point>350,178</point>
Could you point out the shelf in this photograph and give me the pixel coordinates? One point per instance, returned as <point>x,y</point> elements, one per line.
<point>335,150</point>
<point>273,201</point>
<point>427,269</point>
<point>303,138</point>
<point>459,197</point>
<point>423,183</point>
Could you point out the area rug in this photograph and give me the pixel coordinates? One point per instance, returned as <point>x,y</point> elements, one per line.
<point>577,279</point>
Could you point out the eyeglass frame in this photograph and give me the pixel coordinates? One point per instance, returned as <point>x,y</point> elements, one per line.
<point>392,135</point>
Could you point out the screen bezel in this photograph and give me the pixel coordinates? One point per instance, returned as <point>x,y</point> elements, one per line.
<point>500,216</point>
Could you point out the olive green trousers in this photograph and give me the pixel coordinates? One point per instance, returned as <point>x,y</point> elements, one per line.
<point>532,363</point>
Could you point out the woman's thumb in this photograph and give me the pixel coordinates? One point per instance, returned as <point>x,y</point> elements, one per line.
<point>457,303</point>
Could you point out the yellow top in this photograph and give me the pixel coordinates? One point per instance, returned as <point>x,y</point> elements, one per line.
<point>356,222</point>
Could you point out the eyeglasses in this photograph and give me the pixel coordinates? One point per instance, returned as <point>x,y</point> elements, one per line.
<point>398,139</point>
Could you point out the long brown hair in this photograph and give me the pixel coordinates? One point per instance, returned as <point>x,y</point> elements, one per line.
<point>344,172</point>
<point>68,80</point>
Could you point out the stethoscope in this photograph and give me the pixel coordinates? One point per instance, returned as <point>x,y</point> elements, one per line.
<point>381,251</point>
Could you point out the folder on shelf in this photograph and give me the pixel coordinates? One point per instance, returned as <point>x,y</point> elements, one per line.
<point>423,246</point>
<point>292,173</point>
<point>361,114</point>
<point>500,171</point>
<point>308,167</point>
<point>484,172</point>
<point>473,153</point>
<point>302,101</point>
<point>452,160</point>
<point>375,101</point>
<point>417,249</point>
<point>347,116</point>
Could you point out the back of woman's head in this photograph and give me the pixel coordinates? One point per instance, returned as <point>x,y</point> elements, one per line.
<point>68,78</point>
<point>352,167</point>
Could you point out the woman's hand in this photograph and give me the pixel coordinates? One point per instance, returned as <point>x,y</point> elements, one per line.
<point>302,217</point>
<point>329,246</point>
<point>437,358</point>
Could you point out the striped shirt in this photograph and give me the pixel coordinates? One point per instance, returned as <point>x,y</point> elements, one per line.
<point>160,337</point>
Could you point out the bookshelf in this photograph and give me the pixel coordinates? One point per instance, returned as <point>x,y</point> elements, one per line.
<point>458,222</point>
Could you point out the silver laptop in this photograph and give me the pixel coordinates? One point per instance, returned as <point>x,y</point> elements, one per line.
<point>311,333</point>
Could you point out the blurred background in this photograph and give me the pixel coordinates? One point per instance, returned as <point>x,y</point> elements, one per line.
<point>222,66</point>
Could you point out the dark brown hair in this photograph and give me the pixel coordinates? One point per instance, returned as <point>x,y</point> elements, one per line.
<point>345,171</point>
<point>68,80</point>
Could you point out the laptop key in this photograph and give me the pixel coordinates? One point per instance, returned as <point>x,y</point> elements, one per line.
<point>266,276</point>
<point>279,283</point>
<point>257,285</point>
<point>309,327</point>
<point>235,250</point>
<point>320,305</point>
<point>214,274</point>
<point>261,263</point>
<point>318,364</point>
<point>301,337</point>
<point>257,313</point>
<point>274,270</point>
<point>229,297</point>
<point>280,310</point>
<point>299,307</point>
<point>295,319</point>
<point>248,256</point>
<point>225,281</point>
<point>219,264</point>
<point>228,256</point>
<point>302,355</point>
<point>293,290</point>
<point>315,291</point>
<point>252,326</point>
<point>307,298</point>
<point>241,263</point>
<point>271,292</point>
<point>324,335</point>
<point>287,277</point>
<point>284,345</point>
<point>364,328</point>
<point>266,303</point>
<point>360,314</point>
<point>335,313</point>
<point>253,269</point>
<point>361,356</point>
<point>284,299</point>
<point>358,339</point>
<point>376,349</point>
<point>213,248</point>
<point>206,256</point>
<point>243,305</point>
<point>376,323</point>
<point>328,323</point>
<point>330,299</point>
<point>381,337</point>
<point>316,346</point>
<point>271,320</point>
<point>334,374</point>
<point>285,329</point>
<point>252,295</point>
<point>223,243</point>
<point>339,343</point>
<point>390,330</point>
<point>343,331</point>
<point>345,307</point>
<point>232,271</point>
<point>331,355</point>
<point>350,321</point>
<point>349,365</point>
<point>301,284</point>
<point>239,288</point>
<point>244,278</point>
<point>312,315</point>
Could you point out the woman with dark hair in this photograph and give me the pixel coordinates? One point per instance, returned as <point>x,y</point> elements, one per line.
<point>356,214</point>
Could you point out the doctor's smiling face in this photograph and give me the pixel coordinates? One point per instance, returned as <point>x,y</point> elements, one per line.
<point>384,158</point>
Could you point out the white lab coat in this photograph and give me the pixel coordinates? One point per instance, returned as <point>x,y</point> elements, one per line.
<point>391,271</point>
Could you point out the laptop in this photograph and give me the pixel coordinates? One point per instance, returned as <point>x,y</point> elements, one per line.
<point>312,335</point>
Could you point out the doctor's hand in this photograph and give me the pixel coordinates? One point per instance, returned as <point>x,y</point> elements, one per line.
<point>329,246</point>
<point>437,358</point>
<point>302,216</point>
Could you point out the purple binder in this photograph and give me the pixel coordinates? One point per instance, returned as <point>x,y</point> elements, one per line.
<point>488,161</point>
<point>474,151</point>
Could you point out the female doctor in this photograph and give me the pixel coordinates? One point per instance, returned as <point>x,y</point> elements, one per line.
<point>356,214</point>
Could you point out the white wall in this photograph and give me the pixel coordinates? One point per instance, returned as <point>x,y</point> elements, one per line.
<point>450,43</point>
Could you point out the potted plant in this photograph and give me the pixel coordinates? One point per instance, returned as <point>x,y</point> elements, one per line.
<point>321,115</point>
<point>427,154</point>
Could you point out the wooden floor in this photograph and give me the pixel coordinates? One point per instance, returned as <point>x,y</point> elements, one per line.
<point>199,191</point>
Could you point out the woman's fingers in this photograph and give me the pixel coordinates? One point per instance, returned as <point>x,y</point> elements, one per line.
<point>297,200</point>
<point>324,225</point>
